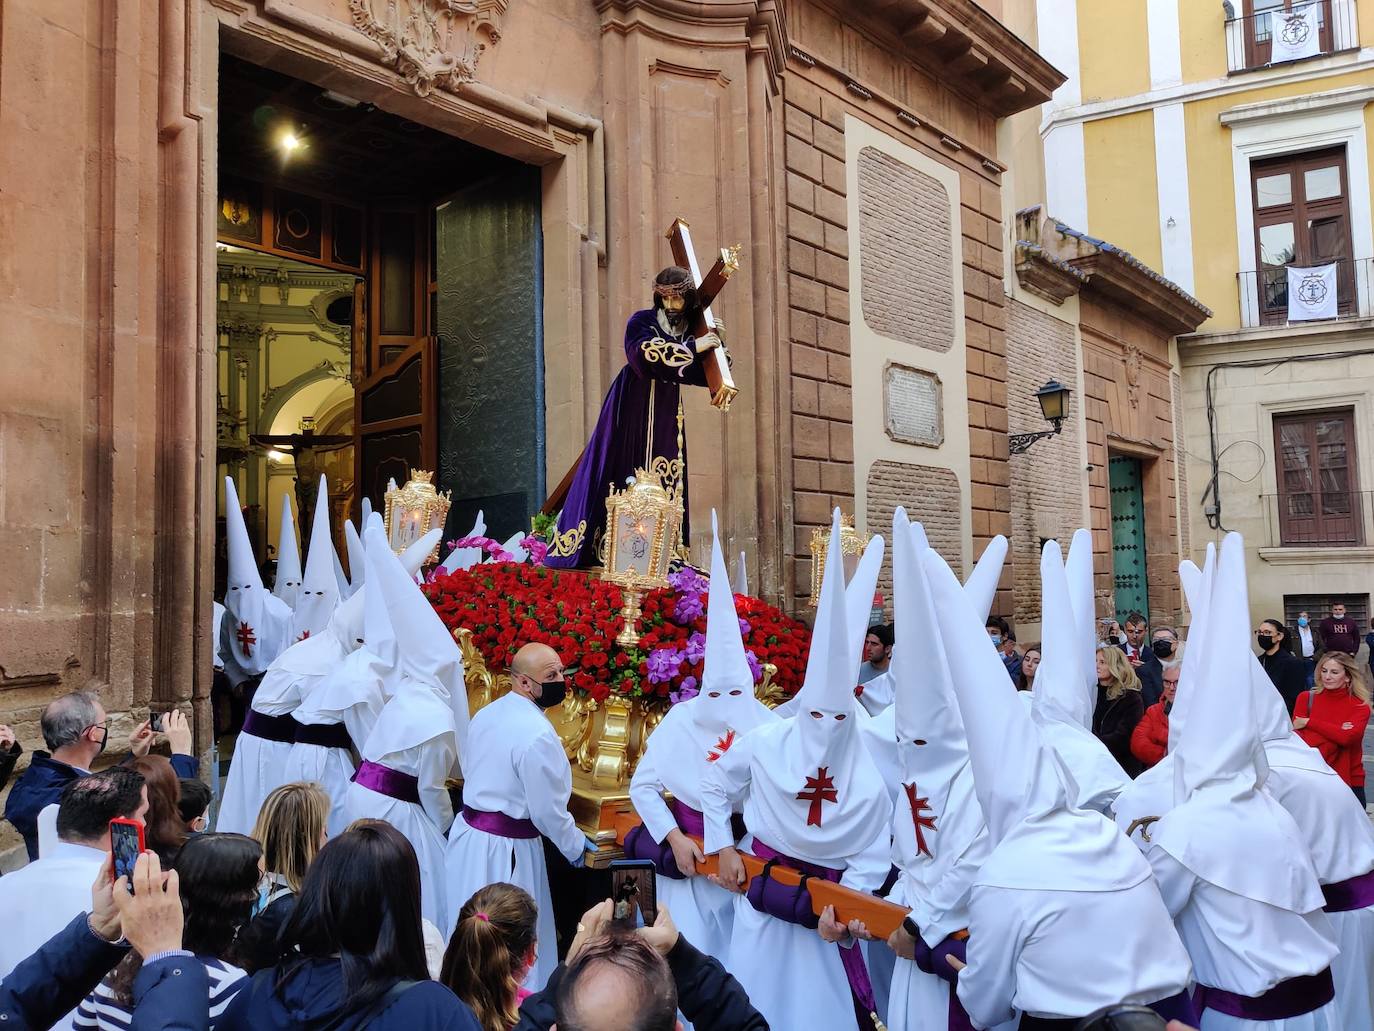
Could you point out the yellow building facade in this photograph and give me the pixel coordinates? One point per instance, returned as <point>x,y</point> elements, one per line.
<point>1228,145</point>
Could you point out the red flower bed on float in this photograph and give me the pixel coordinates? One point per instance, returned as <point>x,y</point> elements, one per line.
<point>506,603</point>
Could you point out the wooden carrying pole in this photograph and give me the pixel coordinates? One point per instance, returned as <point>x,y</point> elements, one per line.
<point>878,915</point>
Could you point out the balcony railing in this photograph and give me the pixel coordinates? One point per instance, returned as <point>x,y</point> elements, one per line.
<point>1316,519</point>
<point>1264,293</point>
<point>1250,38</point>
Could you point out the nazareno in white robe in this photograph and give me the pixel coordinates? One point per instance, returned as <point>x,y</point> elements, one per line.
<point>515,764</point>
<point>414,735</point>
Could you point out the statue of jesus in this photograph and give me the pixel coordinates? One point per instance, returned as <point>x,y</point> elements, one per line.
<point>638,419</point>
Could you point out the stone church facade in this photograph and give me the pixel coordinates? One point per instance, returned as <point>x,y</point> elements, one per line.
<point>849,148</point>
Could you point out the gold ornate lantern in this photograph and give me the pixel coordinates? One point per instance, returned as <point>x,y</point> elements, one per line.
<point>852,544</point>
<point>643,524</point>
<point>412,511</point>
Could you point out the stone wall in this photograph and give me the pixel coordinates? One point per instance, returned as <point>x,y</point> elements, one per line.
<point>930,495</point>
<point>1046,482</point>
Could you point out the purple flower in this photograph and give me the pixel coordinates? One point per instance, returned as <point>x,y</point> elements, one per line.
<point>537,549</point>
<point>688,581</point>
<point>696,647</point>
<point>755,667</point>
<point>664,664</point>
<point>744,627</point>
<point>688,609</point>
<point>688,690</point>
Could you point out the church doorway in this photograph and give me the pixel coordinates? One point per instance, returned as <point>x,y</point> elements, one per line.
<point>378,310</point>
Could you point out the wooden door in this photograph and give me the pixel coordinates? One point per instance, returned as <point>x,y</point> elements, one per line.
<point>393,421</point>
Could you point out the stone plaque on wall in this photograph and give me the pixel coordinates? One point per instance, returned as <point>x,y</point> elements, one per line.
<point>912,406</point>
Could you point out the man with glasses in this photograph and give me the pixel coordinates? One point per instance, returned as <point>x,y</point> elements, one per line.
<point>516,788</point>
<point>76,729</point>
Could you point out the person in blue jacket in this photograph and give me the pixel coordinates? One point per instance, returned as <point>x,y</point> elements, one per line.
<point>354,947</point>
<point>76,729</point>
<point>172,989</point>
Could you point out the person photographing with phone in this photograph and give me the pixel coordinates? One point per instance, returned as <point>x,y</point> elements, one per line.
<point>517,788</point>
<point>76,730</point>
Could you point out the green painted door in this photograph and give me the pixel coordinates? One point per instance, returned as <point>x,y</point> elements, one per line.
<point>1128,537</point>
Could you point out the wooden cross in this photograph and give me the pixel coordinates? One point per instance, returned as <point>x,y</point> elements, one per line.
<point>923,823</point>
<point>820,788</point>
<point>718,378</point>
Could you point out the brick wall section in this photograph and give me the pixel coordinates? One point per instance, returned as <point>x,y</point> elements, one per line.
<point>904,235</point>
<point>818,303</point>
<point>818,320</point>
<point>930,496</point>
<point>1047,500</point>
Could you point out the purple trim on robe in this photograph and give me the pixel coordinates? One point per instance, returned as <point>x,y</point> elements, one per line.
<point>692,821</point>
<point>1351,894</point>
<point>270,728</point>
<point>500,824</point>
<point>1178,1007</point>
<point>935,961</point>
<point>617,445</point>
<point>1291,998</point>
<point>326,735</point>
<point>792,899</point>
<point>385,781</point>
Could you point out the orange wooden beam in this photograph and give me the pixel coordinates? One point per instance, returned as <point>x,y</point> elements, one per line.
<point>878,915</point>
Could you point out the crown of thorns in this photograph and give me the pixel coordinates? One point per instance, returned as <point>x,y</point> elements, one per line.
<point>672,289</point>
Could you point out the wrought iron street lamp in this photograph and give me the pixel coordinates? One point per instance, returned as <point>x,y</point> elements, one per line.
<point>1054,406</point>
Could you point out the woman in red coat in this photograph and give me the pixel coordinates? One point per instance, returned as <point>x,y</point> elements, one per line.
<point>1332,717</point>
<point>1150,739</point>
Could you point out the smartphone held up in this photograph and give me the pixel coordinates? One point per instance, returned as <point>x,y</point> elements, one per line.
<point>126,845</point>
<point>634,894</point>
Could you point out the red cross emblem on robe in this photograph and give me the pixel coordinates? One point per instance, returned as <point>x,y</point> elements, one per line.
<point>820,788</point>
<point>721,747</point>
<point>246,639</point>
<point>922,823</point>
<point>304,635</point>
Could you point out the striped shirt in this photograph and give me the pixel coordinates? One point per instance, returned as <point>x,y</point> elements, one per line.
<point>101,1011</point>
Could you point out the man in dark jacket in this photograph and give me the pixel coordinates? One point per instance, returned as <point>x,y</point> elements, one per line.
<point>76,729</point>
<point>1144,659</point>
<point>648,976</point>
<point>171,990</point>
<point>10,750</point>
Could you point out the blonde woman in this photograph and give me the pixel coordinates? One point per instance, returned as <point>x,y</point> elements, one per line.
<point>1119,706</point>
<point>1332,717</point>
<point>291,830</point>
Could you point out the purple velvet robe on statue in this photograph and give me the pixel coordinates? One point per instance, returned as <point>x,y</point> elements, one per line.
<point>644,394</point>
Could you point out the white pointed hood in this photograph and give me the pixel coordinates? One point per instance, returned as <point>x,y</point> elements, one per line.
<point>939,834</point>
<point>379,636</point>
<point>858,601</point>
<point>367,511</point>
<point>466,558</point>
<point>288,583</point>
<point>1038,841</point>
<point>258,624</point>
<point>1060,704</point>
<point>1224,828</point>
<point>319,594</point>
<point>357,561</point>
<point>725,707</point>
<point>981,586</point>
<point>345,588</point>
<point>815,786</point>
<point>699,731</point>
<point>742,576</point>
<point>427,652</point>
<point>1078,569</point>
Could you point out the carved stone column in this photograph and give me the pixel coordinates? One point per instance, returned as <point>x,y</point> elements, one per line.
<point>691,107</point>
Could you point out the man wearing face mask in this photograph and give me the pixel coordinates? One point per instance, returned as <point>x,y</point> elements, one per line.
<point>76,730</point>
<point>1149,665</point>
<point>516,788</point>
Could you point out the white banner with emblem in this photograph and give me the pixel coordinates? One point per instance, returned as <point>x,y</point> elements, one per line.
<point>1311,293</point>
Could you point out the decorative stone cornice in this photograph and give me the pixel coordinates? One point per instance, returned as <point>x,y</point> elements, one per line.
<point>962,44</point>
<point>691,22</point>
<point>1051,257</point>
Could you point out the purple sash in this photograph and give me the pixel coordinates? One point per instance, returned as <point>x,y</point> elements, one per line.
<point>640,844</point>
<point>327,735</point>
<point>1177,1007</point>
<point>500,824</point>
<point>793,904</point>
<point>1354,893</point>
<point>1291,998</point>
<point>691,821</point>
<point>269,728</point>
<point>386,781</point>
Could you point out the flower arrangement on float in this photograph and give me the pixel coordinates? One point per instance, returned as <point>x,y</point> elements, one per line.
<point>504,604</point>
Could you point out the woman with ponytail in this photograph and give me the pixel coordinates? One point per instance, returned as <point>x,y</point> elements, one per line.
<point>492,947</point>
